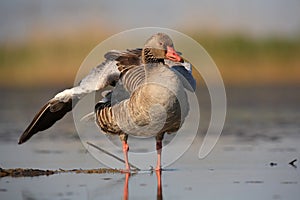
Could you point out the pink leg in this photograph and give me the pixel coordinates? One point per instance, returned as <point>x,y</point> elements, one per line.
<point>123,138</point>
<point>125,151</point>
<point>158,149</point>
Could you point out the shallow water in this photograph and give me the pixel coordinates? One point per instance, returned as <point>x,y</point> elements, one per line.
<point>250,161</point>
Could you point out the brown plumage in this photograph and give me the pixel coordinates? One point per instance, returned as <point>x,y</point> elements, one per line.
<point>141,72</point>
<point>155,106</point>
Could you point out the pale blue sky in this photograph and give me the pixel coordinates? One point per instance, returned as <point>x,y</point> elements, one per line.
<point>19,18</point>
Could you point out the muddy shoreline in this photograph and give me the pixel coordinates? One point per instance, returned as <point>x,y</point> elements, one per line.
<point>21,172</point>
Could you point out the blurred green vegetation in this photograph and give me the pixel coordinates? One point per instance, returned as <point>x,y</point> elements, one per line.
<point>243,47</point>
<point>40,63</point>
<point>241,60</point>
<point>247,61</point>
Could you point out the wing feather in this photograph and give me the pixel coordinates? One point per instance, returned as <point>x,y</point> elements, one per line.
<point>51,112</point>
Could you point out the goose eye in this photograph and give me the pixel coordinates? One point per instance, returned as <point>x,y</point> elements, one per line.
<point>160,43</point>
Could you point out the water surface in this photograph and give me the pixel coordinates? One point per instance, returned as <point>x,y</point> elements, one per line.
<point>250,161</point>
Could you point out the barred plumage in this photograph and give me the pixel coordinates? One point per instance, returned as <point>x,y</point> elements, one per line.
<point>150,96</point>
<point>138,114</point>
<point>133,78</point>
<point>106,122</point>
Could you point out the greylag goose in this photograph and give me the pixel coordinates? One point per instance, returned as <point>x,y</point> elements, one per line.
<point>141,72</point>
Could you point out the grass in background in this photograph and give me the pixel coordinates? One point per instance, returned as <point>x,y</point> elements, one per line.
<point>246,61</point>
<point>241,60</point>
<point>41,63</point>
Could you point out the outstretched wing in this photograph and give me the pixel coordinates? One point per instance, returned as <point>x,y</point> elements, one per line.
<point>105,74</point>
<point>53,111</point>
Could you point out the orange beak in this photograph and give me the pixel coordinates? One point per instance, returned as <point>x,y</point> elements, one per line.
<point>173,55</point>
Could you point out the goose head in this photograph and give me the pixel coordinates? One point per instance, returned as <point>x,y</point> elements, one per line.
<point>159,47</point>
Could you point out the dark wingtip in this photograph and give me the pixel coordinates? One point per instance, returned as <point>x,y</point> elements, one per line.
<point>53,111</point>
<point>21,141</point>
<point>23,138</point>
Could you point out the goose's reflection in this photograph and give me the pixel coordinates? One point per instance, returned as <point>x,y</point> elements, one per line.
<point>159,186</point>
<point>125,193</point>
